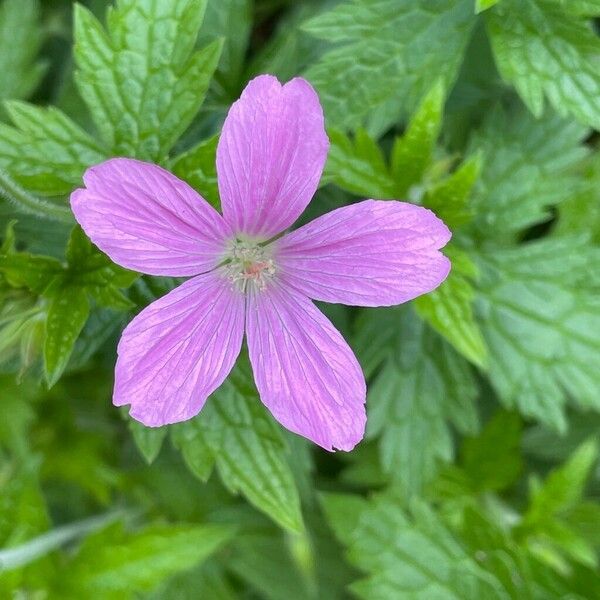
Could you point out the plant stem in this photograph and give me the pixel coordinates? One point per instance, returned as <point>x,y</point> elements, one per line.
<point>26,202</point>
<point>13,558</point>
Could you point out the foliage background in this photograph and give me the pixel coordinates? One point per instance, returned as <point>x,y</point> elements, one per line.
<point>478,477</point>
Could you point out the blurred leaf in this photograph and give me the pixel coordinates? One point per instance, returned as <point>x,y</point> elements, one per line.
<point>539,322</point>
<point>234,431</point>
<point>547,52</point>
<point>412,555</point>
<point>149,440</point>
<point>544,527</point>
<point>141,80</point>
<point>492,460</point>
<point>386,51</point>
<point>481,5</point>
<point>231,20</point>
<point>527,168</point>
<point>117,564</point>
<point>421,385</point>
<point>46,151</point>
<point>198,167</point>
<point>449,308</point>
<point>21,36</point>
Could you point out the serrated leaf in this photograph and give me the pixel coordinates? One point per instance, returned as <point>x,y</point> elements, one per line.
<point>547,52</point>
<point>141,79</point>
<point>413,555</point>
<point>67,314</point>
<point>449,309</point>
<point>234,431</point>
<point>46,151</point>
<point>386,52</point>
<point>540,319</point>
<point>21,37</point>
<point>421,386</point>
<point>358,165</point>
<point>545,527</point>
<point>149,440</point>
<point>413,151</point>
<point>527,168</point>
<point>115,564</point>
<point>198,167</point>
<point>450,198</point>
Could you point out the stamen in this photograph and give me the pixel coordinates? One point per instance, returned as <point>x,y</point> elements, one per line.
<point>249,264</point>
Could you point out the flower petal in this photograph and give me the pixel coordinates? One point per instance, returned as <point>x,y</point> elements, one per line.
<point>179,349</point>
<point>270,156</point>
<point>148,220</point>
<point>305,372</point>
<point>373,253</point>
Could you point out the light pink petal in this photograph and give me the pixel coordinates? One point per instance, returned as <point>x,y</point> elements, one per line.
<point>373,253</point>
<point>305,373</point>
<point>179,349</point>
<point>148,220</point>
<point>270,156</point>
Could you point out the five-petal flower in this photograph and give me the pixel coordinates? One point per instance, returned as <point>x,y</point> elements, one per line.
<point>178,350</point>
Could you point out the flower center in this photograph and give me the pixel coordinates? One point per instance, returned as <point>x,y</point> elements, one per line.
<point>249,264</point>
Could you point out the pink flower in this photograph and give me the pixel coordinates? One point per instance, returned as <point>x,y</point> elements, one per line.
<point>178,350</point>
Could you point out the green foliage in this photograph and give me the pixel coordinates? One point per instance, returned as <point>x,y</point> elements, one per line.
<point>527,168</point>
<point>542,351</point>
<point>21,37</point>
<point>484,112</point>
<point>410,553</point>
<point>421,385</point>
<point>449,309</point>
<point>141,80</point>
<point>548,51</point>
<point>234,432</point>
<point>116,565</point>
<point>388,53</point>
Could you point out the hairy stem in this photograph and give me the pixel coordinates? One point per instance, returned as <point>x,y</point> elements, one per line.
<point>26,202</point>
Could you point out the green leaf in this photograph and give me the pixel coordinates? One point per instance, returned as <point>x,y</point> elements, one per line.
<point>545,527</point>
<point>387,55</point>
<point>421,386</point>
<point>67,314</point>
<point>141,79</point>
<point>548,52</point>
<point>149,440</point>
<point>29,270</point>
<point>20,39</point>
<point>449,309</point>
<point>413,555</point>
<point>198,167</point>
<point>580,213</point>
<point>450,197</point>
<point>359,165</point>
<point>492,460</point>
<point>46,151</point>
<point>527,168</point>
<point>540,319</point>
<point>116,564</point>
<point>481,5</point>
<point>234,431</point>
<point>231,20</point>
<point>413,152</point>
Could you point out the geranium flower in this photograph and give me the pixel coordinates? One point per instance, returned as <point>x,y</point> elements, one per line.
<point>248,275</point>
